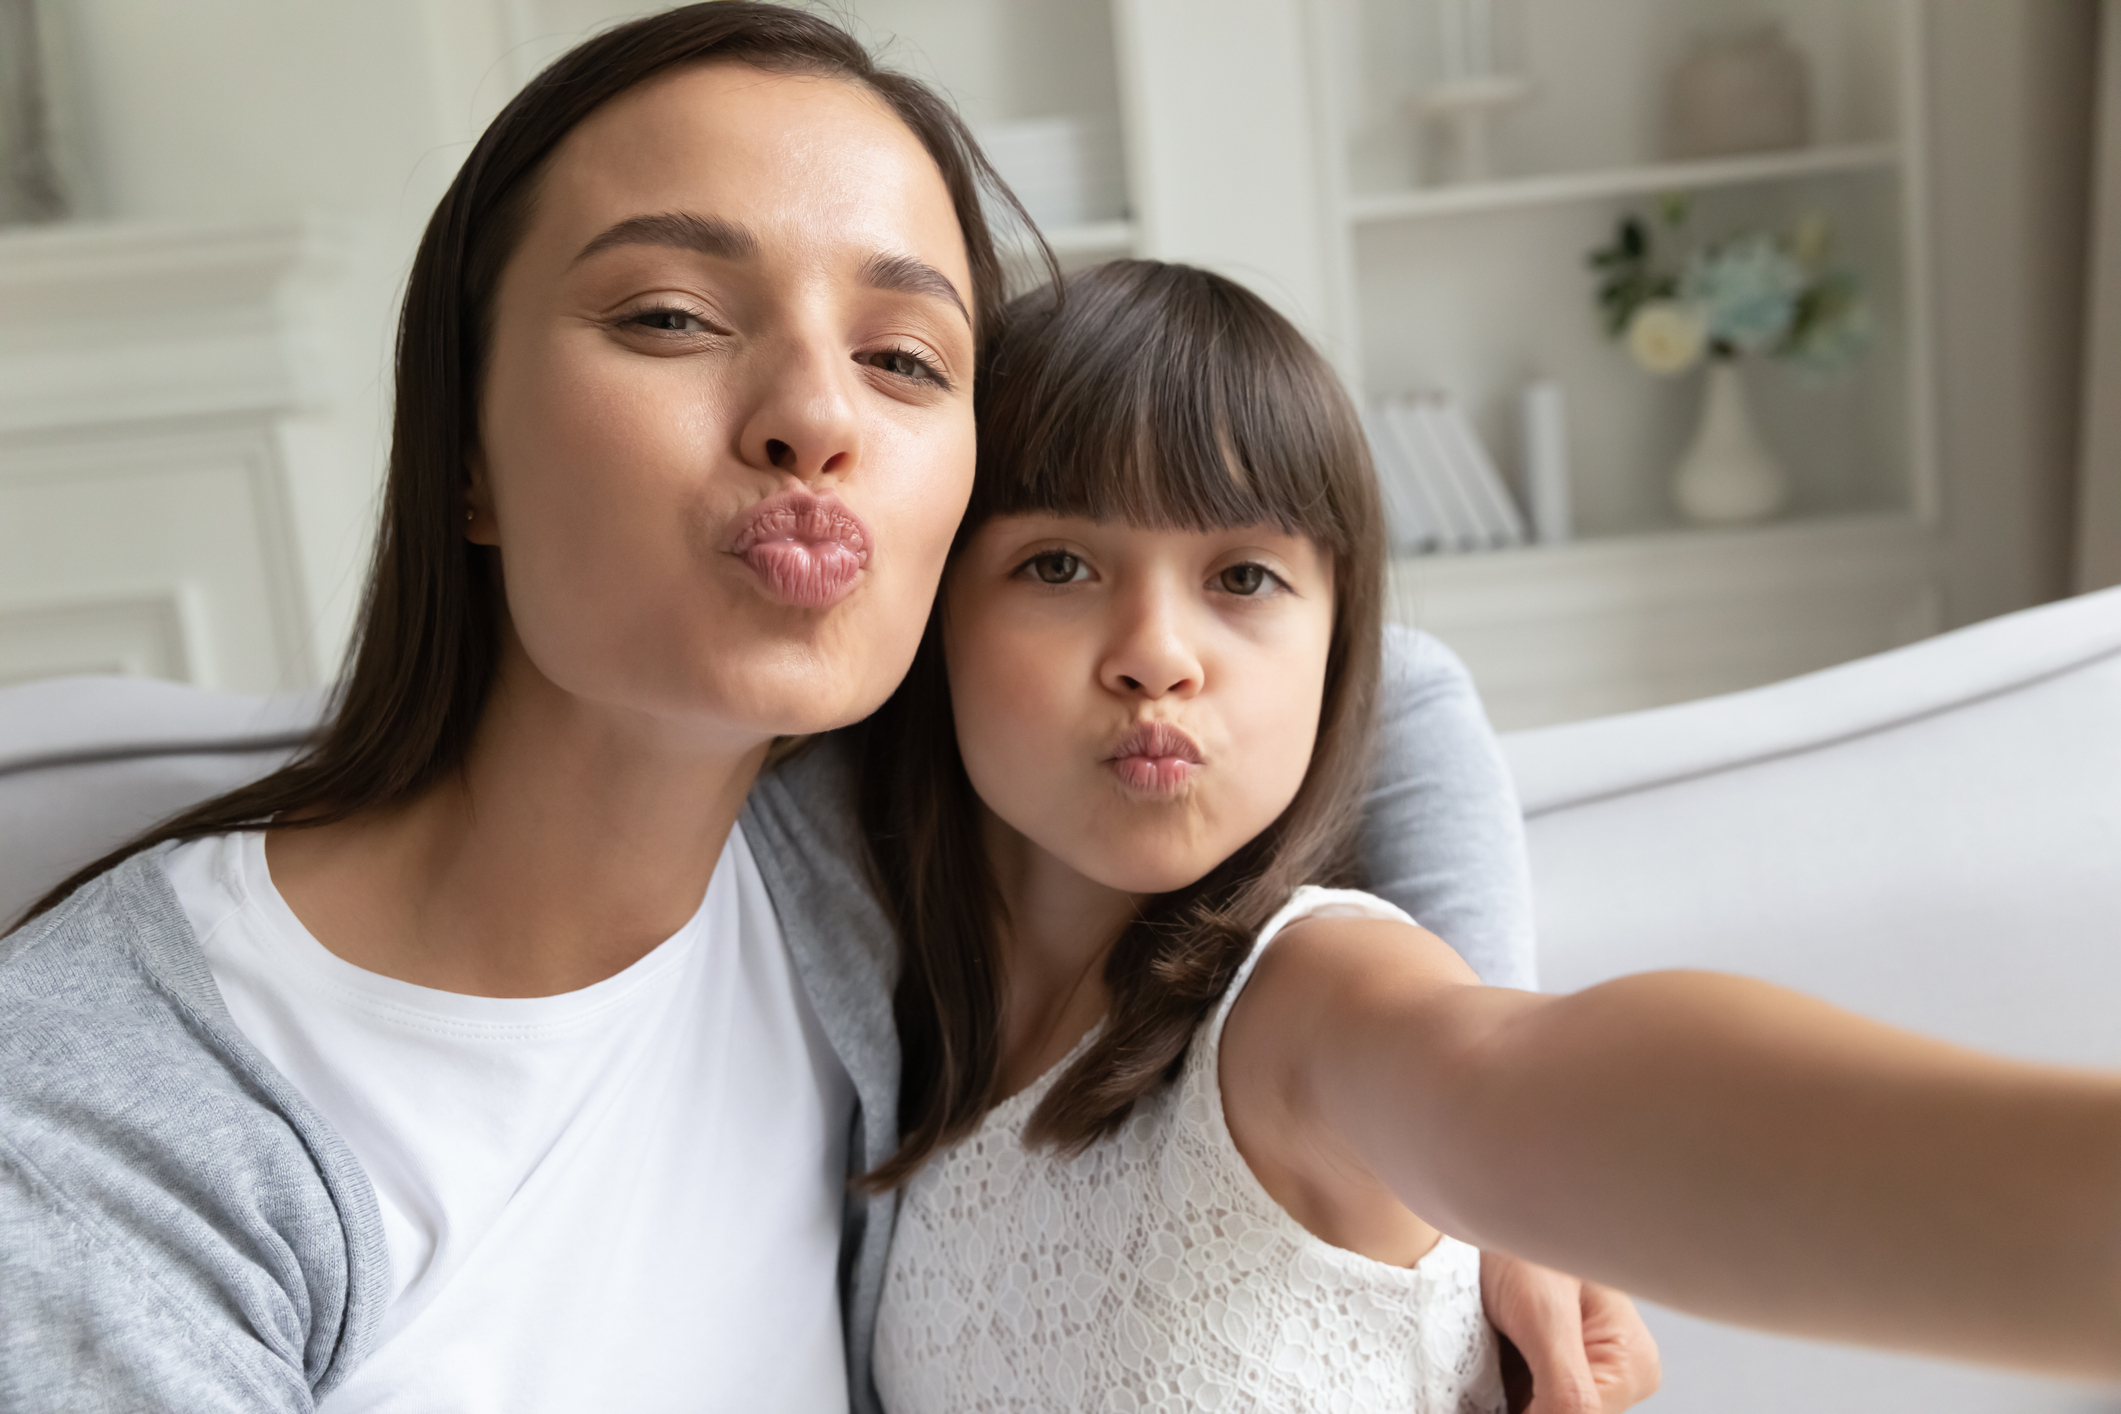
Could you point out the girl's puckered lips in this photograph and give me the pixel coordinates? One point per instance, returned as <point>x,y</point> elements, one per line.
<point>807,550</point>
<point>1155,759</point>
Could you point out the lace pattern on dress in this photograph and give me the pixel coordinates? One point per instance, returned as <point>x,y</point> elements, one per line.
<point>1153,1272</point>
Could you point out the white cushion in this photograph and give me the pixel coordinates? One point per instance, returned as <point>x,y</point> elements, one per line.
<point>87,763</point>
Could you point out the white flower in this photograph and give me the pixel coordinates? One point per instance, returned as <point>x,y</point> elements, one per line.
<point>1666,336</point>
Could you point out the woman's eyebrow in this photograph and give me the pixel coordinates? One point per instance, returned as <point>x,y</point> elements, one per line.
<point>710,235</point>
<point>905,275</point>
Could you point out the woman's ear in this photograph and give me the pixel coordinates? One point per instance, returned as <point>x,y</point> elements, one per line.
<point>480,527</point>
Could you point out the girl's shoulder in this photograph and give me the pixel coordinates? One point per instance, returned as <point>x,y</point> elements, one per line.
<point>1323,955</point>
<point>1334,936</point>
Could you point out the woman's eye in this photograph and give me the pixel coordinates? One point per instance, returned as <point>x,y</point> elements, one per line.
<point>1057,567</point>
<point>1245,579</point>
<point>903,363</point>
<point>669,321</point>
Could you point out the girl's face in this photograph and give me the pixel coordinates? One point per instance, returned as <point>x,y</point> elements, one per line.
<point>1137,704</point>
<point>725,432</point>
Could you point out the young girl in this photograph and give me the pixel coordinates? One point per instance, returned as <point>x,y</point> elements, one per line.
<point>1186,1122</point>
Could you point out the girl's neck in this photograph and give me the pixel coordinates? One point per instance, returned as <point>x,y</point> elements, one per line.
<point>1059,928</point>
<point>572,841</point>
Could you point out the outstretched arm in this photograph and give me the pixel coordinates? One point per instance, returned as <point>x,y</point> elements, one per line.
<point>1442,837</point>
<point>1716,1143</point>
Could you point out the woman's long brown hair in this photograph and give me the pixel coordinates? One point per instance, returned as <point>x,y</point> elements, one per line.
<point>1163,396</point>
<point>428,640</point>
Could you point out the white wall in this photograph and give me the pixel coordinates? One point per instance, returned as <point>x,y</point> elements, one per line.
<point>2010,128</point>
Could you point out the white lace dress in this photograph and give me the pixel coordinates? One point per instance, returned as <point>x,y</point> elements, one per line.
<point>1153,1272</point>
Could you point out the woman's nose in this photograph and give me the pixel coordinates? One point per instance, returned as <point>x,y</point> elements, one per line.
<point>1151,657</point>
<point>803,422</point>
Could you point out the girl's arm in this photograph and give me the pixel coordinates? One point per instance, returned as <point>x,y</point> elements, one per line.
<point>1714,1143</point>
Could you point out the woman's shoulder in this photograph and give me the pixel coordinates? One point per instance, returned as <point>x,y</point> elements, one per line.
<point>154,1168</point>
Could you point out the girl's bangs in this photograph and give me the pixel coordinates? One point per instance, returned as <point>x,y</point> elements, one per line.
<point>1148,394</point>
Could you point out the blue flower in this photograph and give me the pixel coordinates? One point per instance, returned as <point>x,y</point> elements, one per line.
<point>1747,290</point>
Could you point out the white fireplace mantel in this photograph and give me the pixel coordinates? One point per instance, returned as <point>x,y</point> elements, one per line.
<point>167,400</point>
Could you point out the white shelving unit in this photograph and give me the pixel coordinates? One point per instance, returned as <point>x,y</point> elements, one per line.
<point>1474,289</point>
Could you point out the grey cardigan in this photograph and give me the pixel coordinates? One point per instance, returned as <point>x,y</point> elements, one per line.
<point>180,1229</point>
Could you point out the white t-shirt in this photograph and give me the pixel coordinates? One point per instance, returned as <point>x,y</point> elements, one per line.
<point>626,1197</point>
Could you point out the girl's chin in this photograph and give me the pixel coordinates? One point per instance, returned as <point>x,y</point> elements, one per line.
<point>1137,874</point>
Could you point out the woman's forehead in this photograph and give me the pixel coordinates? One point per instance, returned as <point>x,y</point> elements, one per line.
<point>794,162</point>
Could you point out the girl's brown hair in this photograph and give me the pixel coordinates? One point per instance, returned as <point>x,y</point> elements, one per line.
<point>1163,396</point>
<point>429,636</point>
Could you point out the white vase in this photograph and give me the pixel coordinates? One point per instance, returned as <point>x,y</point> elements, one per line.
<point>1728,476</point>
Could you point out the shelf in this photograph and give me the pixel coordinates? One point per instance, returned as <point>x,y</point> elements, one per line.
<point>1559,633</point>
<point>1682,539</point>
<point>1092,238</point>
<point>1647,180</point>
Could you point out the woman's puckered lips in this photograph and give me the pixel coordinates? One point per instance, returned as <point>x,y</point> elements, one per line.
<point>807,550</point>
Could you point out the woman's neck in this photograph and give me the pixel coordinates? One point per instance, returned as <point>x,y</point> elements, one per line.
<point>1059,928</point>
<point>573,840</point>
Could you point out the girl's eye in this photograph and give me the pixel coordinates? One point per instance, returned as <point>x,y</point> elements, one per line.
<point>903,363</point>
<point>1245,579</point>
<point>669,321</point>
<point>1057,567</point>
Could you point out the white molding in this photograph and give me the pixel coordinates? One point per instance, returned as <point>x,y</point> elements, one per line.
<point>104,323</point>
<point>146,453</point>
<point>151,633</point>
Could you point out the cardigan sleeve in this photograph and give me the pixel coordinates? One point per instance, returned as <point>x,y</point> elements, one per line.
<point>1442,834</point>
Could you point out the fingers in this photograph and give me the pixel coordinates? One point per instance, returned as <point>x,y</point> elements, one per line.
<point>1541,1312</point>
<point>1622,1352</point>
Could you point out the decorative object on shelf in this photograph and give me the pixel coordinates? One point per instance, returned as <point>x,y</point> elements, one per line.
<point>1543,449</point>
<point>31,185</point>
<point>1442,490</point>
<point>1460,108</point>
<point>1066,170</point>
<point>1727,475</point>
<point>1755,293</point>
<point>1742,91</point>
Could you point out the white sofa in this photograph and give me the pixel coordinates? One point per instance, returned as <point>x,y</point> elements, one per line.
<point>1931,836</point>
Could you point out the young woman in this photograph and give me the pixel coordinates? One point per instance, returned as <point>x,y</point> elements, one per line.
<point>480,1059</point>
<point>1185,1130</point>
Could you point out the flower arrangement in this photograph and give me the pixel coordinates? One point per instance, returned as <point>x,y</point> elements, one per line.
<point>1756,292</point>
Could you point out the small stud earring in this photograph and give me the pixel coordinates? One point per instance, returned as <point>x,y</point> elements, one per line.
<point>470,515</point>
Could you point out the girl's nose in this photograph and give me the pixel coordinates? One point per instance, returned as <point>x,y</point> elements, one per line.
<point>1151,656</point>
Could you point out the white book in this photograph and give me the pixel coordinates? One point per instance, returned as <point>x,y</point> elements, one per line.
<point>1546,460</point>
<point>1434,506</point>
<point>1408,528</point>
<point>1454,509</point>
<point>1479,475</point>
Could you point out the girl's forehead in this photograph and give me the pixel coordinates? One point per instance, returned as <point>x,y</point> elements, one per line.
<point>1122,528</point>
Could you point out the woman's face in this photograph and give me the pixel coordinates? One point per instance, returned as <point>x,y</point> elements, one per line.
<point>725,433</point>
<point>1137,704</point>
